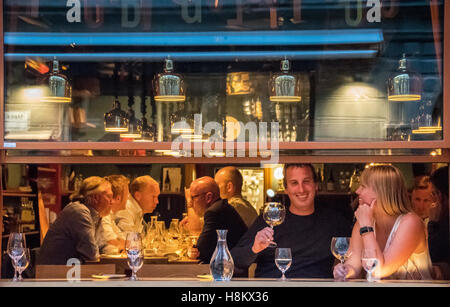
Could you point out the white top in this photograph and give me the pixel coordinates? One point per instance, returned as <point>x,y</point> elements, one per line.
<point>109,231</point>
<point>131,219</point>
<point>417,267</point>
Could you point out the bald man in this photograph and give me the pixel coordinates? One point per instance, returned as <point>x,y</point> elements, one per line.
<point>217,214</point>
<point>143,198</point>
<point>229,179</point>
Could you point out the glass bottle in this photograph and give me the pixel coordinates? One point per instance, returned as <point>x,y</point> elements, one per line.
<point>222,264</point>
<point>330,182</point>
<point>167,182</point>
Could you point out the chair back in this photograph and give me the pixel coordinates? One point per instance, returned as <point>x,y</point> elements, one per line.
<point>43,219</point>
<point>62,271</point>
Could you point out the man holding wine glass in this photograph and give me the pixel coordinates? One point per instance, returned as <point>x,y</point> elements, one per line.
<point>307,230</point>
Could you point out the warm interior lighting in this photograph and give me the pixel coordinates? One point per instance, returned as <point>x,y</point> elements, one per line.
<point>284,86</point>
<point>169,86</point>
<point>238,83</point>
<point>404,85</point>
<point>134,126</point>
<point>116,120</point>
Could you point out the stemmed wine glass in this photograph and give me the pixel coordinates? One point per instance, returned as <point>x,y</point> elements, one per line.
<point>22,263</point>
<point>369,262</point>
<point>340,248</point>
<point>274,214</point>
<point>283,260</point>
<point>135,255</point>
<point>16,249</point>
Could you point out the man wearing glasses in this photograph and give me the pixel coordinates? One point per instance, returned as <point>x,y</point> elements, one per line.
<point>217,214</point>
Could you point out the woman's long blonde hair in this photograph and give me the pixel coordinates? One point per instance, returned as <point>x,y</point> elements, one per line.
<point>389,185</point>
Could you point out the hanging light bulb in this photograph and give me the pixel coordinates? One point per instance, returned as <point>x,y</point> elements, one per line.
<point>169,86</point>
<point>116,120</point>
<point>284,86</point>
<point>404,85</point>
<point>59,89</point>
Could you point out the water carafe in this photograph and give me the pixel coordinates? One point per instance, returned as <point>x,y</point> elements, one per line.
<point>222,264</point>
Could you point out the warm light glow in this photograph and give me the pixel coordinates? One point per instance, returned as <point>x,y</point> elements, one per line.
<point>285,98</point>
<point>56,99</point>
<point>233,128</point>
<point>116,129</point>
<point>404,97</point>
<point>278,173</point>
<point>170,98</point>
<point>130,135</point>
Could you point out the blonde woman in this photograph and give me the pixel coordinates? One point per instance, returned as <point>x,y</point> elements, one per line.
<point>387,224</point>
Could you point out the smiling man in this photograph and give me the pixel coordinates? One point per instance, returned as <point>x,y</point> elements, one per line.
<point>307,230</point>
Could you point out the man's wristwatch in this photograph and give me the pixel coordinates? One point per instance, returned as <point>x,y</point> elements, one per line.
<point>365,229</point>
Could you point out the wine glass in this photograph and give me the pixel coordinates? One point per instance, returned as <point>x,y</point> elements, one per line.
<point>16,248</point>
<point>369,262</point>
<point>21,263</point>
<point>135,255</point>
<point>340,248</point>
<point>274,214</point>
<point>283,260</point>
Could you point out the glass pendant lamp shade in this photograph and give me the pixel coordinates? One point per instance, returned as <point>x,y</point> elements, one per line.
<point>116,120</point>
<point>60,90</point>
<point>404,85</point>
<point>284,86</point>
<point>134,126</point>
<point>148,132</point>
<point>169,86</point>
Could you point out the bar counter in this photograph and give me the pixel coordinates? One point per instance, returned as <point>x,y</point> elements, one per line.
<point>235,282</point>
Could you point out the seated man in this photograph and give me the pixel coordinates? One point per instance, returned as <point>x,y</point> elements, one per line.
<point>111,239</point>
<point>217,214</point>
<point>422,198</point>
<point>307,230</point>
<point>143,198</point>
<point>229,179</point>
<point>192,223</point>
<point>72,235</point>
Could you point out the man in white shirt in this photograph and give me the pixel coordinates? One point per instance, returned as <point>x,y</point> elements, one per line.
<point>143,198</point>
<point>229,179</point>
<point>111,240</point>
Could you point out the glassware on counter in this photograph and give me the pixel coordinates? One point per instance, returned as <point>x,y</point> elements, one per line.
<point>16,249</point>
<point>369,262</point>
<point>283,260</point>
<point>135,253</point>
<point>221,264</point>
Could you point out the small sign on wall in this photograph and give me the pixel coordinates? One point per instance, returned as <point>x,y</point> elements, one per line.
<point>17,120</point>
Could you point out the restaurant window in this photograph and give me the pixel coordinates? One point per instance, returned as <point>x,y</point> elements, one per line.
<point>340,71</point>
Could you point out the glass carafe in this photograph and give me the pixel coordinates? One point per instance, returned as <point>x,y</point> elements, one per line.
<point>222,264</point>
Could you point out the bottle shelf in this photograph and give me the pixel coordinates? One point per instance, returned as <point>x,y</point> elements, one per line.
<point>17,193</point>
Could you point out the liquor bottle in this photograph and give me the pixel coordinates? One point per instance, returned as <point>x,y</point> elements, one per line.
<point>166,187</point>
<point>330,182</point>
<point>319,179</point>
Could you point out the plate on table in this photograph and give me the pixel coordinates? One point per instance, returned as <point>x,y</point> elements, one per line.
<point>109,276</point>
